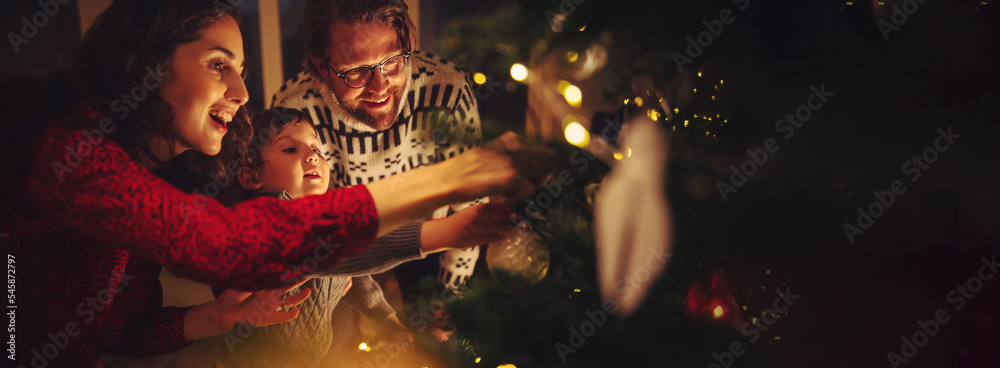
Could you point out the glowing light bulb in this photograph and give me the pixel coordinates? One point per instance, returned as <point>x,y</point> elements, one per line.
<point>519,72</point>
<point>478,359</point>
<point>577,135</point>
<point>573,95</point>
<point>364,347</point>
<point>718,311</point>
<point>653,115</point>
<point>572,56</point>
<point>618,155</point>
<point>479,78</point>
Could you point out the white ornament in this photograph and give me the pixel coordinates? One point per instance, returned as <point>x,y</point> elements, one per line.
<point>633,229</point>
<point>519,253</point>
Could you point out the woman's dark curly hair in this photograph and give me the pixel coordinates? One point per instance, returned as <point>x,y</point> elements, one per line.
<point>127,41</point>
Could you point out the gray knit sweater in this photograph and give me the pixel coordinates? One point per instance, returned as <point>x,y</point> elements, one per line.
<point>303,341</point>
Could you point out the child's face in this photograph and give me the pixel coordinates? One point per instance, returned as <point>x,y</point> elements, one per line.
<point>205,88</point>
<point>294,163</point>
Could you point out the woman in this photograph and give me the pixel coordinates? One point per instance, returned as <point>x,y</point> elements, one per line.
<point>92,223</point>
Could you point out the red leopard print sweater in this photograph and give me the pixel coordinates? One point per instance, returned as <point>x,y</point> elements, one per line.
<point>96,227</point>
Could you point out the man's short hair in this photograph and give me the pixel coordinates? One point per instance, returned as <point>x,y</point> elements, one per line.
<point>320,14</point>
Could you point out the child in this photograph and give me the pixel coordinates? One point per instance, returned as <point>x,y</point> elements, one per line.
<point>284,161</point>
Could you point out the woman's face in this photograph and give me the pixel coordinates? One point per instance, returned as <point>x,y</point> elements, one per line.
<point>206,87</point>
<point>293,162</point>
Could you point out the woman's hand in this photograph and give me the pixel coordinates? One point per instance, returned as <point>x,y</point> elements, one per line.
<point>474,225</point>
<point>262,308</point>
<point>510,166</point>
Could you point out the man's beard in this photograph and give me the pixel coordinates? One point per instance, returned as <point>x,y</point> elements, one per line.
<point>381,121</point>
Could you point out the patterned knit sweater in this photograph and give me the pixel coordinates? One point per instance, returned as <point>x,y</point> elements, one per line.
<point>303,341</point>
<point>438,118</point>
<point>93,233</point>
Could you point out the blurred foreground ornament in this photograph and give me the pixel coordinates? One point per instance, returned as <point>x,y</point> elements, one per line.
<point>519,253</point>
<point>633,228</point>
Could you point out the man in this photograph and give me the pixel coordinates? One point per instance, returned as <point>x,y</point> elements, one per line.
<point>382,108</point>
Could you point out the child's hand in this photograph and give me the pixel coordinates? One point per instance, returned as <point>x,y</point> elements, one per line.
<point>261,308</point>
<point>474,225</point>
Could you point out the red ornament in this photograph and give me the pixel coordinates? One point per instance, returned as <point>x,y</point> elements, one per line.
<point>713,302</point>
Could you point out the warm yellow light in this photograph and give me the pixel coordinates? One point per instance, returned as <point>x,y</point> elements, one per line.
<point>699,74</point>
<point>653,114</point>
<point>628,153</point>
<point>713,98</point>
<point>638,101</point>
<point>685,123</point>
<point>677,111</point>
<point>572,56</point>
<point>626,101</point>
<point>506,366</point>
<point>364,347</point>
<point>518,72</point>
<point>583,27</point>
<point>479,78</point>
<point>722,81</point>
<point>573,95</point>
<point>576,290</point>
<point>695,90</point>
<point>478,360</point>
<point>618,155</point>
<point>718,311</point>
<point>577,135</point>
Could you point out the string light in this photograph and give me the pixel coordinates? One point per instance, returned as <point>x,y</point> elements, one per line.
<point>479,78</point>
<point>573,95</point>
<point>572,56</point>
<point>478,359</point>
<point>653,114</point>
<point>577,135</point>
<point>699,74</point>
<point>618,155</point>
<point>519,72</point>
<point>718,312</point>
<point>638,101</point>
<point>364,347</point>
<point>506,366</point>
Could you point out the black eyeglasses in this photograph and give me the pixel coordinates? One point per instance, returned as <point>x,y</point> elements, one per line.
<point>361,76</point>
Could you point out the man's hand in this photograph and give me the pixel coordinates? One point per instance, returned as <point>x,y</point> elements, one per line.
<point>474,225</point>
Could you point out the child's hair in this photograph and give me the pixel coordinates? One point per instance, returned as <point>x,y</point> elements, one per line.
<point>266,125</point>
